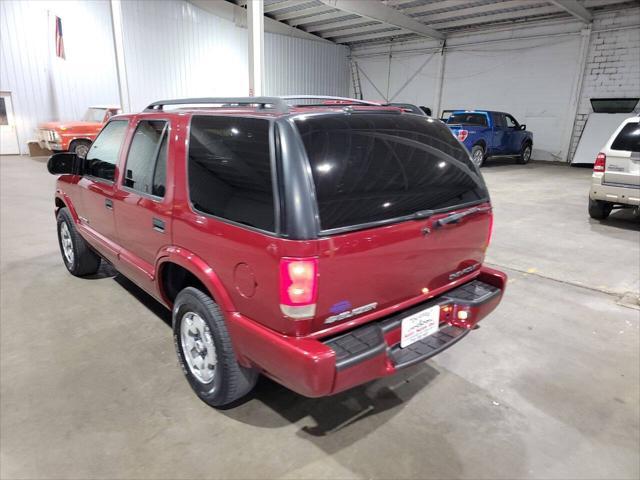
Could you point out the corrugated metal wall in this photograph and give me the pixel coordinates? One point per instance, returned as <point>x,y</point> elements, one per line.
<point>297,66</point>
<point>172,49</point>
<point>44,87</point>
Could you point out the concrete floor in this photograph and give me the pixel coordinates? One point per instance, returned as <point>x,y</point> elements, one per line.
<point>547,388</point>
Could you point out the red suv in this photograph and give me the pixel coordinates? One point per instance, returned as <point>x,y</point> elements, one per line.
<point>323,245</point>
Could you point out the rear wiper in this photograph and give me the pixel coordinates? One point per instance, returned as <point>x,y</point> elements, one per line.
<point>456,217</point>
<point>423,214</point>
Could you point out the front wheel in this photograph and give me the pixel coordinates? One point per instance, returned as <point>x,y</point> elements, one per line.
<point>81,148</point>
<point>79,259</point>
<point>477,155</point>
<point>599,210</point>
<point>525,154</point>
<point>205,351</point>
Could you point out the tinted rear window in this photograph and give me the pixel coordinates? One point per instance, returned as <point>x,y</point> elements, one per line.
<point>628,139</point>
<point>378,167</point>
<point>230,170</point>
<point>468,119</point>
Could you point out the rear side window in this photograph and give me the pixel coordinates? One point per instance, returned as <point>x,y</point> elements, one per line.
<point>230,170</point>
<point>102,157</point>
<point>379,167</point>
<point>147,159</point>
<point>628,139</point>
<point>479,119</point>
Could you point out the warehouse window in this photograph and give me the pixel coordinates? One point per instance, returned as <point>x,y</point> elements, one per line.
<point>147,158</point>
<point>102,157</point>
<point>230,170</point>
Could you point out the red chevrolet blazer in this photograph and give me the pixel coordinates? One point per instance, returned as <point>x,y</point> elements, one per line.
<point>321,242</point>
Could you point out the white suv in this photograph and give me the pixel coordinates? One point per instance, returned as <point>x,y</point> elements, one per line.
<point>616,174</point>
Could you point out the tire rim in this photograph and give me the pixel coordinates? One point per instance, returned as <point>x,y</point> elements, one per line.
<point>477,157</point>
<point>198,347</point>
<point>67,243</point>
<point>526,155</point>
<point>82,150</point>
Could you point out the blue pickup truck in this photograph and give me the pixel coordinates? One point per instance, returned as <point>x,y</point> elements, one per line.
<point>491,134</point>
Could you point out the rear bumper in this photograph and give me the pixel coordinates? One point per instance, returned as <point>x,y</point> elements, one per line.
<point>614,193</point>
<point>317,368</point>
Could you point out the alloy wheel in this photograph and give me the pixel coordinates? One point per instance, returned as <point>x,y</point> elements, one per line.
<point>198,347</point>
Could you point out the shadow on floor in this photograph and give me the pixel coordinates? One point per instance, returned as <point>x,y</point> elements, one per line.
<point>623,219</point>
<point>271,405</point>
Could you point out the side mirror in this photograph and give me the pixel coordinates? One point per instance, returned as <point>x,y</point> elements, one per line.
<point>64,163</point>
<point>523,127</point>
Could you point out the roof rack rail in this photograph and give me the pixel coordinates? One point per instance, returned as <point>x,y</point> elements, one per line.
<point>263,103</point>
<point>288,98</point>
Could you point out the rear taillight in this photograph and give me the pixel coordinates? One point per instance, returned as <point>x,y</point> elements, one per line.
<point>601,163</point>
<point>298,287</point>
<point>462,135</point>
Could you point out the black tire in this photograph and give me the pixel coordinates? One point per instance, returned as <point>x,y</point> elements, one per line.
<point>599,210</point>
<point>80,147</point>
<point>84,261</point>
<point>478,155</point>
<point>230,380</point>
<point>525,154</point>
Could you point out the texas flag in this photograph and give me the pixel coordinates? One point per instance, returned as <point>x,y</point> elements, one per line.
<point>59,39</point>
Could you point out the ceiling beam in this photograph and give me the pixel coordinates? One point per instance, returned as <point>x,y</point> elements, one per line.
<point>335,25</point>
<point>369,36</point>
<point>272,7</point>
<point>355,30</point>
<point>302,13</point>
<point>323,17</point>
<point>499,17</point>
<point>376,10</point>
<point>575,9</point>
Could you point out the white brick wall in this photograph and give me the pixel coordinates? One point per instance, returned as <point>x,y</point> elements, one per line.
<point>613,64</point>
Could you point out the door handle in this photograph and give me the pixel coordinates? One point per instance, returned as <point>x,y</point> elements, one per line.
<point>108,203</point>
<point>158,225</point>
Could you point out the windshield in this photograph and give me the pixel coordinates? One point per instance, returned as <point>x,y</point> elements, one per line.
<point>94,115</point>
<point>479,119</point>
<point>380,167</point>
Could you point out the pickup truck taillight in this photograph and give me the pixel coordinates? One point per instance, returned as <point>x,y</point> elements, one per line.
<point>601,163</point>
<point>298,287</point>
<point>462,135</point>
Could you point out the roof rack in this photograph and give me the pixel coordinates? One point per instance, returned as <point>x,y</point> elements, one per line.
<point>328,97</point>
<point>276,104</point>
<point>263,103</point>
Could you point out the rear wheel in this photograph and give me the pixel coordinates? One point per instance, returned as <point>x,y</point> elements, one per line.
<point>525,154</point>
<point>599,209</point>
<point>205,351</point>
<point>477,155</point>
<point>79,259</point>
<point>80,148</point>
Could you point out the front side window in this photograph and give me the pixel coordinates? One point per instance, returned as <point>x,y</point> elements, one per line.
<point>628,139</point>
<point>499,120</point>
<point>511,122</point>
<point>230,170</point>
<point>102,157</point>
<point>479,119</point>
<point>147,158</point>
<point>380,167</point>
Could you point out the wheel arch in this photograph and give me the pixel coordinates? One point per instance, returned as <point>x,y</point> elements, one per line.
<point>178,268</point>
<point>75,140</point>
<point>482,142</point>
<point>63,201</point>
